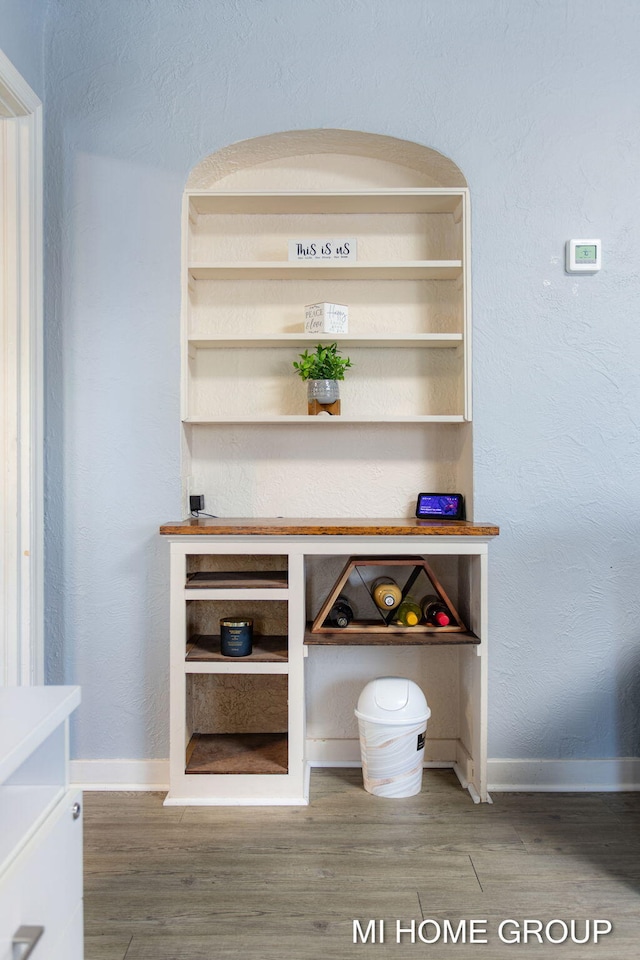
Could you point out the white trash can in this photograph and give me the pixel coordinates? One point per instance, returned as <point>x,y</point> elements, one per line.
<point>392,718</point>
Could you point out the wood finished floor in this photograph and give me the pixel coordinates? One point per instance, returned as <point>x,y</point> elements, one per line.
<point>286,883</point>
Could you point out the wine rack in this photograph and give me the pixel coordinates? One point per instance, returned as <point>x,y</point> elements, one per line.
<point>382,624</point>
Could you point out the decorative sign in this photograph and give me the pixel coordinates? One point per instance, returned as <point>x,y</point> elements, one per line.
<point>326,318</point>
<point>317,248</point>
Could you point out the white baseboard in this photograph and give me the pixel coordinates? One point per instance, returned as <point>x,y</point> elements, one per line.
<point>573,776</point>
<point>333,753</point>
<point>120,774</point>
<point>346,753</point>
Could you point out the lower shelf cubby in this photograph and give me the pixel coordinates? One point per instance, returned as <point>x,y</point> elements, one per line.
<point>236,723</point>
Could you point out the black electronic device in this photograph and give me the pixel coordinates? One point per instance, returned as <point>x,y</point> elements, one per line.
<point>440,506</point>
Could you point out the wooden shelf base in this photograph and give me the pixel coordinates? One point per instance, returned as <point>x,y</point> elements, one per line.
<point>238,753</point>
<point>388,637</point>
<point>237,579</point>
<point>206,649</point>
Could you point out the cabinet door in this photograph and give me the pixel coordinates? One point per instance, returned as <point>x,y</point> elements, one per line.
<point>43,887</point>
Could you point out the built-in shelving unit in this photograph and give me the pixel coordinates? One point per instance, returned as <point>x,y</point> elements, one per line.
<point>246,730</point>
<point>238,724</point>
<point>407,296</point>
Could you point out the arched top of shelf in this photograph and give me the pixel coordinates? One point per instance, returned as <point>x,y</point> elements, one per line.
<point>383,158</point>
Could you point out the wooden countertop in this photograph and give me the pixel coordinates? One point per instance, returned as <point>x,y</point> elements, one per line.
<point>321,527</point>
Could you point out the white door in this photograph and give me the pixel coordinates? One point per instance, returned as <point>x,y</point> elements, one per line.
<point>21,620</point>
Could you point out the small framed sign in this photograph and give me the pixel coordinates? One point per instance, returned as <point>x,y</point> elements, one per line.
<point>319,248</point>
<point>326,318</point>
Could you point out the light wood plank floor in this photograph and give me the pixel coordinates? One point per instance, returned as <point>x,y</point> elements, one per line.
<point>286,883</point>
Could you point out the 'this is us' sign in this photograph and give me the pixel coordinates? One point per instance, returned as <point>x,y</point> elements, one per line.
<point>318,248</point>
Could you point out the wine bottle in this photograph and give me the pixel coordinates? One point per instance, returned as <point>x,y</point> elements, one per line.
<point>340,614</point>
<point>408,614</point>
<point>435,612</point>
<point>386,593</point>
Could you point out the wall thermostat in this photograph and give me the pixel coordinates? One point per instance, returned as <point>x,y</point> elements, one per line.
<point>583,256</point>
<point>440,506</point>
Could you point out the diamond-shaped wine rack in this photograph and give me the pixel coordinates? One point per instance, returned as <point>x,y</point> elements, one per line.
<point>382,623</point>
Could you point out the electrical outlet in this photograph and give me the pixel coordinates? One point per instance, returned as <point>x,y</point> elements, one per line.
<point>196,503</point>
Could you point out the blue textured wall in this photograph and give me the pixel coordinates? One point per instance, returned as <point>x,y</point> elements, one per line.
<point>537,104</point>
<point>22,39</point>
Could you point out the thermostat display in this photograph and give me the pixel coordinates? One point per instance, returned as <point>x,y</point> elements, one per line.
<point>583,256</point>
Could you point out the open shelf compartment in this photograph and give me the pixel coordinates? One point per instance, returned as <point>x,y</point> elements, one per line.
<point>236,724</point>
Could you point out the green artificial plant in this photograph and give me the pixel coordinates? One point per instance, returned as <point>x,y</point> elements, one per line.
<point>325,364</point>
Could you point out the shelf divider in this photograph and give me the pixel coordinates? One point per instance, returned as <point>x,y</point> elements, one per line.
<point>287,270</point>
<point>427,341</point>
<point>314,421</point>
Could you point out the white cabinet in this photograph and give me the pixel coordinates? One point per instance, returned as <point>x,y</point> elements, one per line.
<point>409,316</point>
<point>41,818</point>
<point>238,726</point>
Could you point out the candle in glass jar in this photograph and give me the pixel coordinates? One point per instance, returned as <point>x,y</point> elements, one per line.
<point>236,637</point>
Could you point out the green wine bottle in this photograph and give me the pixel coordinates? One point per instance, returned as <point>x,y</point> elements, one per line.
<point>408,614</point>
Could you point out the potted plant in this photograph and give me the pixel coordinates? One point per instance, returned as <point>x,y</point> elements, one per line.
<point>322,370</point>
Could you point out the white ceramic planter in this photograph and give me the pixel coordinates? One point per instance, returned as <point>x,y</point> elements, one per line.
<point>324,391</point>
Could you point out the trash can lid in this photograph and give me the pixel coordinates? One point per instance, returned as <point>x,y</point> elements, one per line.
<point>392,700</point>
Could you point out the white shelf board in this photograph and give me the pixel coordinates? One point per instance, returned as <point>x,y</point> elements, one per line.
<point>400,200</point>
<point>409,341</point>
<point>309,420</point>
<point>320,269</point>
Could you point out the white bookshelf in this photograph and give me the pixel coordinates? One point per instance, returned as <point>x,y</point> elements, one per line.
<point>407,294</point>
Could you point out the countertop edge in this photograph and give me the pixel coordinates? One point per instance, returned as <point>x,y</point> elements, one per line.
<point>321,527</point>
